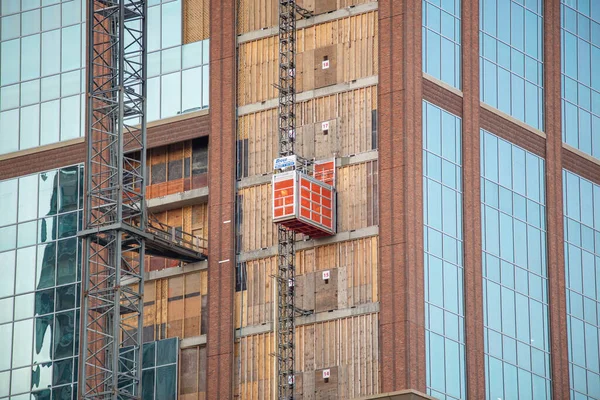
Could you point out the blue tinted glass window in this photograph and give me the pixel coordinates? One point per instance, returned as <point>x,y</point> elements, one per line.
<point>517,352</point>
<point>38,41</point>
<point>442,40</point>
<point>580,40</point>
<point>582,278</point>
<point>177,72</point>
<point>511,58</point>
<point>442,212</point>
<point>39,265</point>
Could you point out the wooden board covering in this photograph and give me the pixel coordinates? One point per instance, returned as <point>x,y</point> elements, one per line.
<point>175,306</point>
<point>259,14</point>
<point>171,168</point>
<point>349,347</point>
<point>354,263</point>
<point>192,373</point>
<point>354,39</point>
<point>357,206</point>
<point>196,20</point>
<point>351,120</point>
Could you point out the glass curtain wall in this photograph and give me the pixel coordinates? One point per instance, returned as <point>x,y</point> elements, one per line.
<point>442,40</point>
<point>511,58</point>
<point>582,270</point>
<point>580,39</point>
<point>443,258</point>
<point>42,77</point>
<point>40,259</point>
<point>515,275</point>
<point>42,70</point>
<point>178,73</point>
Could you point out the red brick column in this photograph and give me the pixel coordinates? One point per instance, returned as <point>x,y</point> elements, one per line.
<point>473,284</point>
<point>554,203</point>
<point>402,331</point>
<point>221,203</point>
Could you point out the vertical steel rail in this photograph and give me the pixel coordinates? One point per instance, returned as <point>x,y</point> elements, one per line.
<point>286,238</point>
<point>115,213</point>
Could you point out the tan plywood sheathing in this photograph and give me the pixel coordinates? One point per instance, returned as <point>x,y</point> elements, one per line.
<point>347,346</point>
<point>356,269</point>
<point>259,14</point>
<point>175,306</point>
<point>357,201</point>
<point>196,20</point>
<point>351,114</point>
<point>192,373</point>
<point>354,40</point>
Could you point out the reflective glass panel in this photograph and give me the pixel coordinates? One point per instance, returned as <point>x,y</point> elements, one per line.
<point>38,42</point>
<point>39,288</point>
<point>580,39</point>
<point>442,207</point>
<point>442,40</point>
<point>514,272</point>
<point>511,58</point>
<point>582,278</point>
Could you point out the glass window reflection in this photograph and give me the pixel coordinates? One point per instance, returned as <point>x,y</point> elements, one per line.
<point>582,262</point>
<point>580,39</point>
<point>38,317</point>
<point>514,271</point>
<point>512,58</point>
<point>443,260</point>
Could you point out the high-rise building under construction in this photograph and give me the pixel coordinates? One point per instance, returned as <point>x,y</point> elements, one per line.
<point>318,199</point>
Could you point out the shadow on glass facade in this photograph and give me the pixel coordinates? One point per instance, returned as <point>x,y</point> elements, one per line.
<point>515,275</point>
<point>580,39</point>
<point>511,58</point>
<point>40,259</point>
<point>443,258</point>
<point>582,262</point>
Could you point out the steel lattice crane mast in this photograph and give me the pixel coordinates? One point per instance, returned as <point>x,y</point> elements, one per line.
<point>286,237</point>
<point>117,233</point>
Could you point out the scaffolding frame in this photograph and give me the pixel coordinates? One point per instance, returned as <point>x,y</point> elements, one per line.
<point>118,232</point>
<point>286,309</point>
<point>115,207</point>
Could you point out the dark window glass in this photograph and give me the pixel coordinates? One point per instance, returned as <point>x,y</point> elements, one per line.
<point>65,334</point>
<point>159,173</point>
<point>67,261</point>
<point>166,351</point>
<point>175,170</point>
<point>166,381</point>
<point>148,385</point>
<point>63,371</point>
<point>65,297</point>
<point>148,355</point>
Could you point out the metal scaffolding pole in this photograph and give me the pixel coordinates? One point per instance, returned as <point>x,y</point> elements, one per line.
<point>286,237</point>
<point>115,208</point>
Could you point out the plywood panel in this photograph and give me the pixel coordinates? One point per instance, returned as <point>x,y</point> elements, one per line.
<point>258,14</point>
<point>196,20</point>
<point>348,347</point>
<point>353,39</point>
<point>173,307</point>
<point>176,168</point>
<point>192,373</point>
<point>354,264</point>
<point>357,202</point>
<point>350,115</point>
